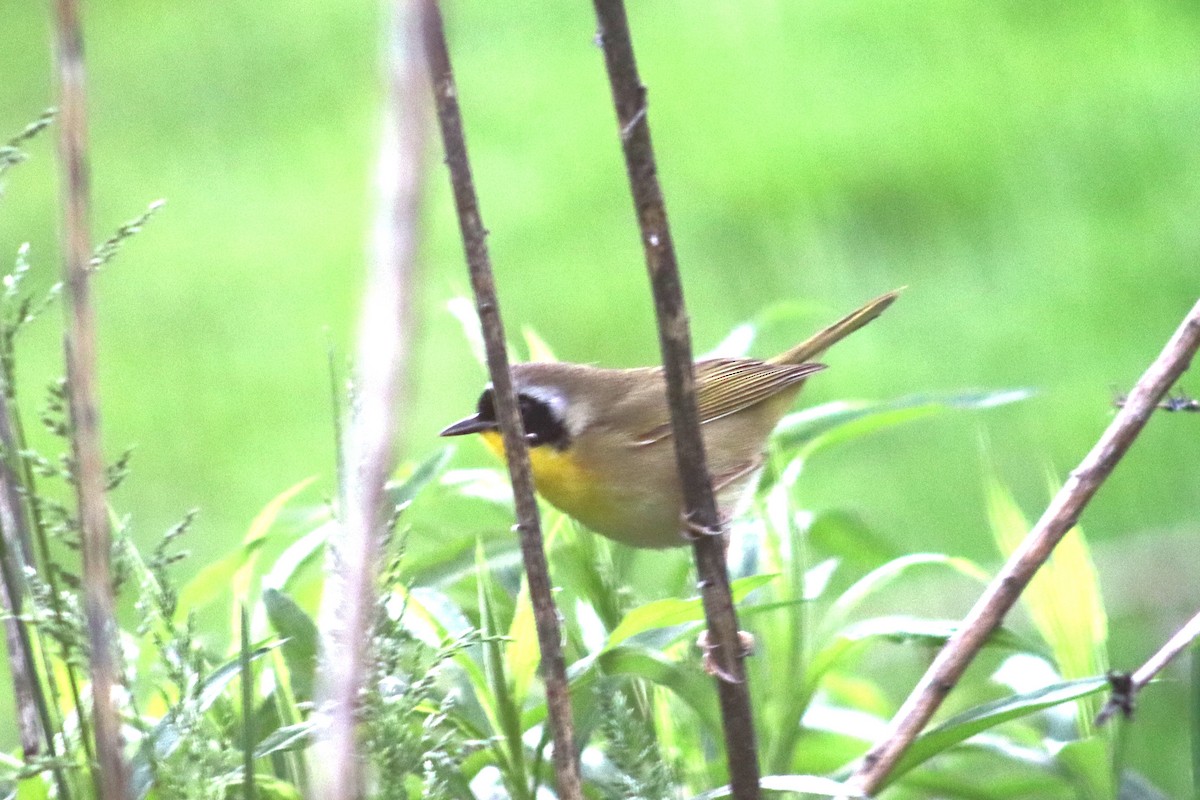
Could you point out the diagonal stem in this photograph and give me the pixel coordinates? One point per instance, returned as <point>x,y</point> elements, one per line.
<point>474,236</point>
<point>1002,593</point>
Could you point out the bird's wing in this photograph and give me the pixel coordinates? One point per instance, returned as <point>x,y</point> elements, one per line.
<point>725,386</point>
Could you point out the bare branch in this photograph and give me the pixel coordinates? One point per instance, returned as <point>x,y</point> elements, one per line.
<point>474,236</point>
<point>384,341</point>
<point>1060,516</point>
<point>1125,691</point>
<point>629,98</point>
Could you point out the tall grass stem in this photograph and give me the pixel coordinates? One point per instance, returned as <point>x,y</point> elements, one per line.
<point>474,236</point>
<point>700,507</point>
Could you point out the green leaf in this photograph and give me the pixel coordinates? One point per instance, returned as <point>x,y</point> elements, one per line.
<point>793,784</point>
<point>1063,598</point>
<point>536,346</point>
<point>687,682</point>
<point>289,737</point>
<point>401,493</point>
<point>881,578</point>
<point>522,651</point>
<point>1135,786</point>
<point>32,789</point>
<point>673,611</point>
<point>989,715</point>
<point>164,737</point>
<point>256,536</point>
<point>859,547</point>
<point>298,556</point>
<point>235,569</point>
<point>899,629</point>
<point>820,426</point>
<point>265,787</point>
<point>463,310</point>
<point>1089,764</point>
<point>300,641</point>
<point>735,345</point>
<point>498,701</point>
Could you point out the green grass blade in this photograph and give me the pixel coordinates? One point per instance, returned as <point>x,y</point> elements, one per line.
<point>687,682</point>
<point>821,426</point>
<point>1063,599</point>
<point>988,715</point>
<point>881,578</point>
<point>247,682</point>
<point>899,629</point>
<point>1194,655</point>
<point>521,652</point>
<point>236,568</point>
<point>791,784</point>
<point>165,736</point>
<point>673,611</point>
<point>1088,763</point>
<point>300,642</point>
<point>401,493</point>
<point>498,700</point>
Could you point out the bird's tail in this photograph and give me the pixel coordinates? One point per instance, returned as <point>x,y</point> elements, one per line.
<point>822,340</point>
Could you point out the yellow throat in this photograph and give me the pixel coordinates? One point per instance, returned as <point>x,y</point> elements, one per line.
<point>558,476</point>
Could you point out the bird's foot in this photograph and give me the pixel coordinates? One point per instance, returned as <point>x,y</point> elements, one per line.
<point>692,530</point>
<point>709,662</point>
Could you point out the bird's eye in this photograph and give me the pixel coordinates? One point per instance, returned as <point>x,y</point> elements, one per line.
<point>542,423</point>
<point>487,405</point>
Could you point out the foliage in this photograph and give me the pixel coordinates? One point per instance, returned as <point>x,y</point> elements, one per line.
<point>843,621</point>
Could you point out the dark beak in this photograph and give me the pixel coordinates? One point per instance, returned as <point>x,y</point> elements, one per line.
<point>472,424</point>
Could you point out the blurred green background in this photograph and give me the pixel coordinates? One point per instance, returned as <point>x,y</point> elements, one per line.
<point>1028,170</point>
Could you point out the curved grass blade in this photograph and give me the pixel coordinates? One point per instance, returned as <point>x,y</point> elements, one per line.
<point>673,611</point>
<point>988,715</point>
<point>821,426</point>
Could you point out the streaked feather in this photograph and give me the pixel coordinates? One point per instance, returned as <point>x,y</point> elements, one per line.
<point>726,386</point>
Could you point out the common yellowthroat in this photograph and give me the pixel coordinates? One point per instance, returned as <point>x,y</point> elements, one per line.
<point>599,439</point>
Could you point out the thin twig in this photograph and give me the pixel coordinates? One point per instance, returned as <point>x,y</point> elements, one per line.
<point>27,696</point>
<point>629,98</point>
<point>80,347</point>
<point>558,701</point>
<point>1060,516</point>
<point>384,340</point>
<point>16,552</point>
<point>1124,699</point>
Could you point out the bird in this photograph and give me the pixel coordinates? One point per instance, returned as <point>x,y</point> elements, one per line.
<point>600,444</point>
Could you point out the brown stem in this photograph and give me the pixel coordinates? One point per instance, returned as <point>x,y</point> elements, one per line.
<point>1060,516</point>
<point>80,347</point>
<point>384,341</point>
<point>629,98</point>
<point>474,236</point>
<point>1123,699</point>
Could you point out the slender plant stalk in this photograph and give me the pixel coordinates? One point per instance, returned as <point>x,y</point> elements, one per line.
<point>80,347</point>
<point>34,721</point>
<point>33,715</point>
<point>558,701</point>
<point>1124,699</point>
<point>25,518</point>
<point>1195,731</point>
<point>12,438</point>
<point>1002,593</point>
<point>384,341</point>
<point>629,98</point>
<point>247,685</point>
